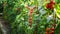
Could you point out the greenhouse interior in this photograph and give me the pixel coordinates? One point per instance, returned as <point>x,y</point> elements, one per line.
<point>29,16</point>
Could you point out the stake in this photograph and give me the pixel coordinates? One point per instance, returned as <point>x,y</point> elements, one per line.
<point>54,16</point>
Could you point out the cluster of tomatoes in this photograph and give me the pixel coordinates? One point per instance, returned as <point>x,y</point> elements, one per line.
<point>30,18</point>
<point>30,14</point>
<point>50,30</point>
<point>50,5</point>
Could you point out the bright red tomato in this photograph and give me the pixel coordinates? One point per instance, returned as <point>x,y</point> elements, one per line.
<point>50,5</point>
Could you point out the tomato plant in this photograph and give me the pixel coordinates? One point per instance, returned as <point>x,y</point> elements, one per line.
<point>32,16</point>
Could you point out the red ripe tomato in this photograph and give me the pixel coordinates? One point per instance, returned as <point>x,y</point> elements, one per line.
<point>52,2</point>
<point>52,32</point>
<point>52,29</point>
<point>47,29</point>
<point>31,11</point>
<point>47,33</point>
<point>49,6</point>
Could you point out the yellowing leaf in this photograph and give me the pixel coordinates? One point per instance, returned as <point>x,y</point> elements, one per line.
<point>58,13</point>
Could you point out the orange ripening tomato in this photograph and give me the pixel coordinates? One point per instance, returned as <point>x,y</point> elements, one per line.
<point>47,29</point>
<point>47,33</point>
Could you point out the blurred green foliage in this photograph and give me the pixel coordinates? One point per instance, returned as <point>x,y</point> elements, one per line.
<point>17,15</point>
